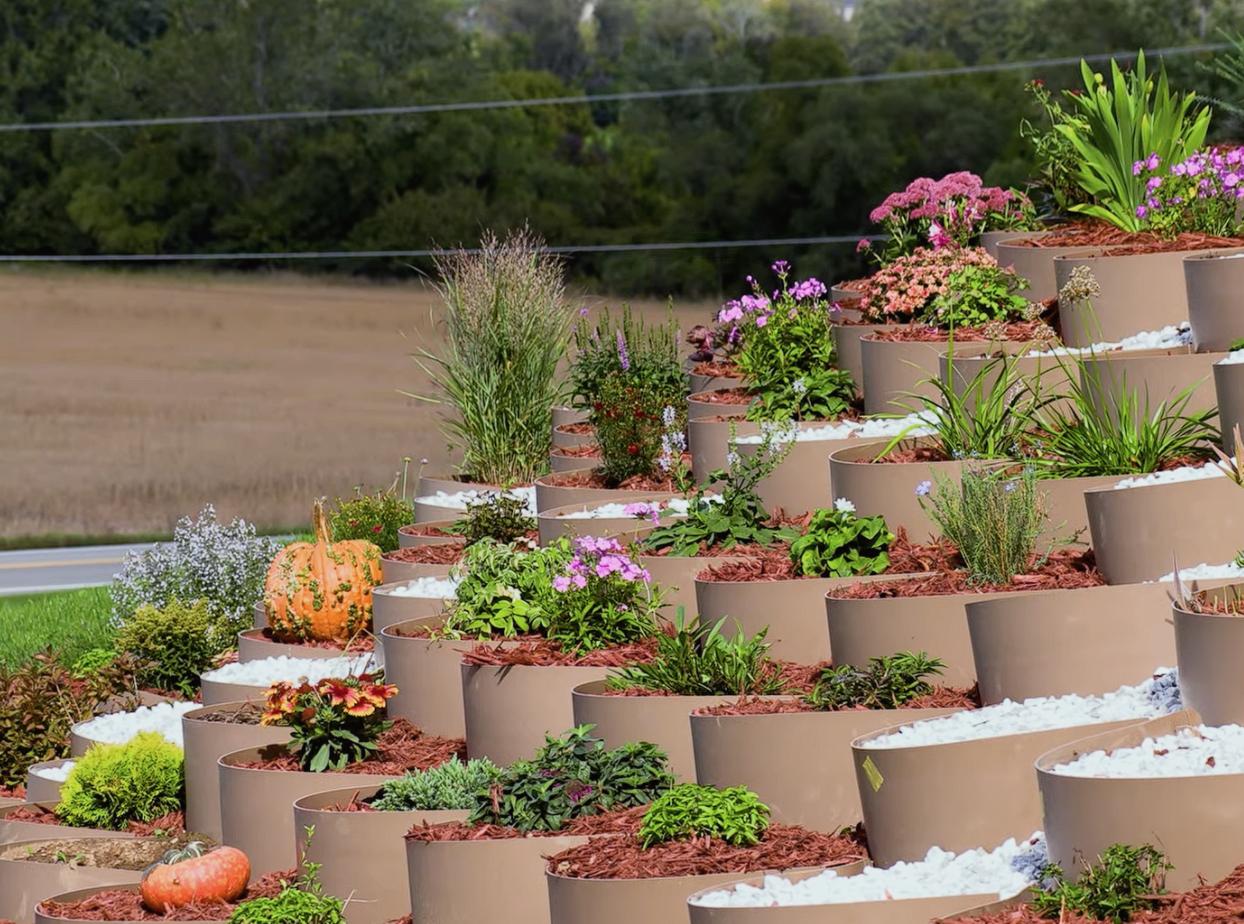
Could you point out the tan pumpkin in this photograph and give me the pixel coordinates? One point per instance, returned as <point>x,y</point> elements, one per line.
<point>321,590</point>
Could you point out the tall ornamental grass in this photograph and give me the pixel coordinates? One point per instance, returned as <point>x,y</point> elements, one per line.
<point>508,325</point>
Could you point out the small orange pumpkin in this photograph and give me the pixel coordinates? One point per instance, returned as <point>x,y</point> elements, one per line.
<point>195,874</point>
<point>321,590</point>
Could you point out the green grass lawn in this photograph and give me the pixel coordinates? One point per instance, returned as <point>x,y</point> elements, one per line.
<point>69,622</point>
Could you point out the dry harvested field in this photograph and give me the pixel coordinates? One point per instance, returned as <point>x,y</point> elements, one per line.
<point>128,400</point>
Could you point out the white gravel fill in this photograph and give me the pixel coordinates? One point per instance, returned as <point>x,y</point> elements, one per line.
<point>1174,475</point>
<point>460,500</point>
<point>1004,871</point>
<point>57,774</point>
<point>1200,750</point>
<point>427,588</point>
<point>1167,338</point>
<point>1155,697</point>
<point>120,727</point>
<point>1235,356</point>
<point>1205,572</point>
<point>868,428</point>
<point>675,507</point>
<point>267,671</point>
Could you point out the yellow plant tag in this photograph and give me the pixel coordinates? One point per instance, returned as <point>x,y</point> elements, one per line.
<point>875,779</point>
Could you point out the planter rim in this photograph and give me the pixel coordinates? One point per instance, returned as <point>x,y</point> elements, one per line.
<point>596,688</point>
<point>861,742</point>
<point>1098,252</point>
<point>692,876</point>
<point>829,581</point>
<point>1182,718</point>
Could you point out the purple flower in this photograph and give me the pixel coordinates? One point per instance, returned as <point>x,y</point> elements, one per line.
<point>623,356</point>
<point>781,267</point>
<point>583,312</point>
<point>561,583</point>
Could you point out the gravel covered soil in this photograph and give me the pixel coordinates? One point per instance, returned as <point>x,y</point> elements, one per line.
<point>127,904</point>
<point>618,822</point>
<point>400,749</point>
<point>774,563</point>
<point>542,652</point>
<point>782,847</point>
<point>1066,569</point>
<point>940,698</point>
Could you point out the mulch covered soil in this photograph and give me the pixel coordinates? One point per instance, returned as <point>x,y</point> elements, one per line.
<point>582,451</point>
<point>1119,242</point>
<point>580,428</point>
<point>444,553</point>
<point>716,368</point>
<point>774,563</point>
<point>725,396</point>
<point>423,529</point>
<point>244,714</point>
<point>15,792</point>
<point>1020,331</point>
<point>541,652</point>
<point>399,750</point>
<point>132,853</point>
<point>940,698</point>
<point>1066,569</point>
<point>782,847</point>
<point>904,454</point>
<point>172,823</point>
<point>127,904</point>
<point>594,479</point>
<point>619,822</point>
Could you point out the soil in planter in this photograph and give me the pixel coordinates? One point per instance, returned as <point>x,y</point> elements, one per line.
<point>15,792</point>
<point>940,698</point>
<point>621,821</point>
<point>245,714</point>
<point>422,529</point>
<point>358,643</point>
<point>725,396</point>
<point>716,368</point>
<point>582,428</point>
<point>445,553</point>
<point>1018,331</point>
<point>101,852</point>
<point>584,451</point>
<point>594,479</point>
<point>542,652</point>
<point>399,750</point>
<point>1065,569</point>
<point>127,905</point>
<point>172,824</point>
<point>782,847</point>
<point>774,563</point>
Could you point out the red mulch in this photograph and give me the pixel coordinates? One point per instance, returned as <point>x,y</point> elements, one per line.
<point>127,905</point>
<point>541,652</point>
<point>358,643</point>
<point>940,698</point>
<point>1077,234</point>
<point>796,679</point>
<point>594,479</point>
<point>423,529</point>
<point>1066,569</point>
<point>617,822</point>
<point>173,822</point>
<point>717,368</point>
<point>443,553</point>
<point>17,792</point>
<point>725,396</point>
<point>1019,331</point>
<point>583,451</point>
<point>782,847</point>
<point>853,285</point>
<point>1119,243</point>
<point>400,749</point>
<point>774,563</point>
<point>582,428</point>
<point>903,455</point>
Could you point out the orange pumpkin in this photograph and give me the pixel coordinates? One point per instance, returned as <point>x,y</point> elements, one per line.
<point>321,590</point>
<point>195,874</point>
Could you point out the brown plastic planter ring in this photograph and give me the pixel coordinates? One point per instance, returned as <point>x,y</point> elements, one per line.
<point>205,743</point>
<point>888,489</point>
<point>1197,821</point>
<point>407,540</point>
<point>509,710</point>
<point>892,911</point>
<point>1036,264</point>
<point>257,806</point>
<point>427,675</point>
<point>254,646</point>
<point>559,464</point>
<point>362,854</point>
<point>895,371</point>
<point>563,415</point>
<point>473,882</point>
<point>570,440</point>
<point>388,609</point>
<point>1229,392</point>
<point>799,763</point>
<point>626,901</point>
<point>1143,291</point>
<point>800,482</point>
<point>956,796</point>
<point>847,347</point>
<point>39,789</point>
<point>216,693</point>
<point>708,441</point>
<point>1213,286</point>
<point>1208,648</point>
<point>1159,375</point>
<point>675,575</point>
<point>428,487</point>
<point>1139,532</point>
<point>661,720</point>
<point>549,496</point>
<point>702,383</point>
<point>78,895</point>
<point>877,628</point>
<point>697,407</point>
<point>25,883</point>
<point>554,525</point>
<point>1045,375</point>
<point>13,831</point>
<point>991,239</point>
<point>401,571</point>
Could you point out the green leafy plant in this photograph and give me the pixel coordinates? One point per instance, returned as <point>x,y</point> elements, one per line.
<point>174,643</point>
<point>735,815</point>
<point>978,295</point>
<point>374,517</point>
<point>571,777</point>
<point>505,590</point>
<point>838,543</point>
<point>452,785</point>
<point>610,345</point>
<point>1052,153</point>
<point>497,515</point>
<point>629,418</point>
<point>332,724</point>
<point>887,683</point>
<point>92,661</point>
<point>697,659</point>
<point>602,599</point>
<point>993,518</point>
<point>507,323</point>
<point>1236,345</point>
<point>1122,882</point>
<point>736,514</point>
<point>114,784</point>
<point>302,901</point>
<point>1117,123</point>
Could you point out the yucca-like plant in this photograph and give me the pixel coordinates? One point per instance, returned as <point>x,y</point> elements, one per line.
<point>507,325</point>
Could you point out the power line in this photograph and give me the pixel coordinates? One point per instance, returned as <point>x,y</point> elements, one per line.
<point>382,254</point>
<point>580,99</point>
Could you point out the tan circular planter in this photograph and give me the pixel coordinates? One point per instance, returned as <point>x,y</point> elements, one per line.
<point>1213,286</point>
<point>800,482</point>
<point>428,511</point>
<point>955,796</point>
<point>1229,392</point>
<point>898,372</point>
<point>407,540</point>
<point>205,743</point>
<point>1208,649</point>
<point>1158,375</point>
<point>25,883</point>
<point>39,789</point>
<point>991,239</point>
<point>1138,533</point>
<point>510,710</point>
<point>13,831</point>
<point>80,894</point>
<point>662,720</point>
<point>847,349</point>
<point>568,438</point>
<point>1036,264</point>
<point>257,806</point>
<point>389,609</point>
<point>253,645</point>
<point>554,524</point>
<point>564,414</point>
<point>892,911</point>
<point>446,885</point>
<point>699,405</point>
<point>1043,375</point>
<point>1196,821</point>
<point>675,576</point>
<point>559,463</point>
<point>1143,291</point>
<point>393,571</point>
<point>702,383</point>
<point>362,854</point>
<point>550,495</point>
<point>799,763</point>
<point>708,442</point>
<point>428,677</point>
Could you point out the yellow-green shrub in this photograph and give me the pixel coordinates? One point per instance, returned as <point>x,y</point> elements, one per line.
<point>114,784</point>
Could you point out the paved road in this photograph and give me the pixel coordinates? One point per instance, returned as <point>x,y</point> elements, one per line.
<point>39,570</point>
